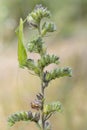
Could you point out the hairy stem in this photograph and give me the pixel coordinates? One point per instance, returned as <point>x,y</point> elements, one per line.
<point>42,113</point>
<point>42,89</point>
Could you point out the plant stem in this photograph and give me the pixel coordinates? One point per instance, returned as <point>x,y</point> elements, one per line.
<point>42,113</point>
<point>42,90</point>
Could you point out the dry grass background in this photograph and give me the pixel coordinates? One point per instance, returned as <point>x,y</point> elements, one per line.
<point>18,87</point>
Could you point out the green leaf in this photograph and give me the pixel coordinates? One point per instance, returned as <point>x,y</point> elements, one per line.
<point>53,107</point>
<point>22,55</point>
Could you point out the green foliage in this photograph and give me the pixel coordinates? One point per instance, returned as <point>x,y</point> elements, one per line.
<point>53,107</point>
<point>48,27</point>
<point>57,73</point>
<point>37,15</point>
<point>23,116</point>
<point>30,64</point>
<point>47,59</point>
<point>37,46</point>
<point>22,55</point>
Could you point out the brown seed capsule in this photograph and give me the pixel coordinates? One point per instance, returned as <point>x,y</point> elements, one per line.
<point>36,104</point>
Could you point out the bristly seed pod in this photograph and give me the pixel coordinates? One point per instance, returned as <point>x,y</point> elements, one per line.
<point>19,116</point>
<point>57,73</point>
<point>23,116</point>
<point>48,59</point>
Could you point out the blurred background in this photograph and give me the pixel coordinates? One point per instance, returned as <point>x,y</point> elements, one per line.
<point>69,42</point>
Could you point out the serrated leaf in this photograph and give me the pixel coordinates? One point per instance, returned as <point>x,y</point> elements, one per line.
<point>22,55</point>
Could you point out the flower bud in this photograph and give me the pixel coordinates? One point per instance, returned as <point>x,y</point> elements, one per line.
<point>48,27</point>
<point>31,21</point>
<point>36,45</point>
<point>52,107</point>
<point>47,59</point>
<point>42,11</point>
<point>37,14</point>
